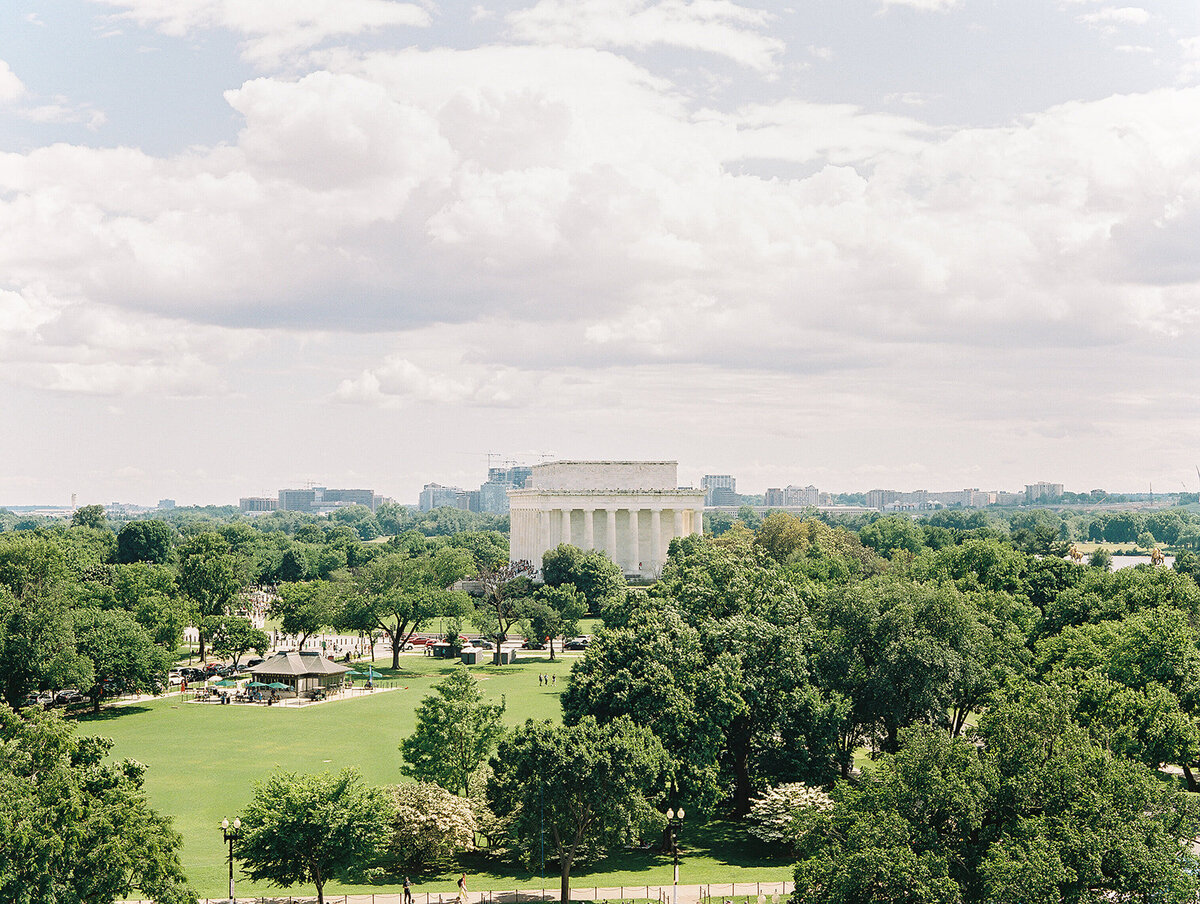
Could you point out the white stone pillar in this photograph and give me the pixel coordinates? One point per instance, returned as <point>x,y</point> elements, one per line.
<point>546,541</point>
<point>656,556</point>
<point>677,525</point>
<point>610,541</point>
<point>698,521</point>
<point>589,528</point>
<point>566,526</point>
<point>635,546</point>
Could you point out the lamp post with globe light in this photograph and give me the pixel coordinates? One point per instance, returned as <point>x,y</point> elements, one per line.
<point>675,824</point>
<point>231,833</point>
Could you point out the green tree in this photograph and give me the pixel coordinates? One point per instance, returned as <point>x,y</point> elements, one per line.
<point>308,829</point>
<point>74,827</point>
<point>294,564</point>
<point>150,593</point>
<point>585,785</point>
<point>123,654</point>
<point>1031,810</point>
<point>90,516</point>
<point>592,573</point>
<point>37,647</point>
<point>456,731</point>
<point>553,612</point>
<point>500,602</point>
<point>398,595</point>
<point>306,608</point>
<point>144,541</point>
<point>234,636</point>
<point>210,577</point>
<point>891,534</point>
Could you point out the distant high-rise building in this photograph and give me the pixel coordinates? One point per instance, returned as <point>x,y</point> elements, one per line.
<point>1042,490</point>
<point>166,503</point>
<point>719,489</point>
<point>257,504</point>
<point>434,495</point>
<point>321,500</point>
<point>792,496</point>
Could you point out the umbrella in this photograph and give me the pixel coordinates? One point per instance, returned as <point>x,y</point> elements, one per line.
<point>371,673</point>
<point>279,686</point>
<point>227,683</point>
<point>257,684</point>
<point>354,674</point>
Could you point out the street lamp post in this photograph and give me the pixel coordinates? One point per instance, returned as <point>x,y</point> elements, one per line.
<point>231,834</point>
<point>675,824</point>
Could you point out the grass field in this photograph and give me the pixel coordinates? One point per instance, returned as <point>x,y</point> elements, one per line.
<point>203,761</point>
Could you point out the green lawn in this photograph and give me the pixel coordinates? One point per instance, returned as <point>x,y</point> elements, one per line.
<point>203,761</point>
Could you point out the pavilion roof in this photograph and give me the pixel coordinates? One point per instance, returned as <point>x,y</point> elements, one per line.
<point>298,664</point>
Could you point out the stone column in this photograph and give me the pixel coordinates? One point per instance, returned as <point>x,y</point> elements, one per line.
<point>635,550</point>
<point>698,521</point>
<point>677,527</point>
<point>566,526</point>
<point>589,528</point>
<point>610,541</point>
<point>656,556</point>
<point>547,539</point>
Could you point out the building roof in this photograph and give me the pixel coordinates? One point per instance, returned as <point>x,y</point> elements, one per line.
<point>298,665</point>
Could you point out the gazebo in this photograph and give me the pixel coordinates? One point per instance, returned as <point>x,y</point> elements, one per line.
<point>302,672</point>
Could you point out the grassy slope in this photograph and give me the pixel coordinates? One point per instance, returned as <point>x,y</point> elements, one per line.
<point>204,759</point>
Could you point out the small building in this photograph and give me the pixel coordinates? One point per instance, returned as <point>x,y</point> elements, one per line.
<point>301,672</point>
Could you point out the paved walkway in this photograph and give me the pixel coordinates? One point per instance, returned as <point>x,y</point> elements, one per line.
<point>771,892</point>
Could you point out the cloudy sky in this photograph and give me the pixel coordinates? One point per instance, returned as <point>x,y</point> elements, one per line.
<point>857,243</point>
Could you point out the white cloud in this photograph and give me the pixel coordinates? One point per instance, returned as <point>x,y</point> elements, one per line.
<point>1111,18</point>
<point>714,26</point>
<point>539,208</point>
<point>273,31</point>
<point>11,87</point>
<point>933,6</point>
<point>1189,71</point>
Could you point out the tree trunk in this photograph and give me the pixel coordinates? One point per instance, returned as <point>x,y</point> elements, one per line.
<point>740,748</point>
<point>565,888</point>
<point>551,649</point>
<point>200,636</point>
<point>395,636</point>
<point>1189,778</point>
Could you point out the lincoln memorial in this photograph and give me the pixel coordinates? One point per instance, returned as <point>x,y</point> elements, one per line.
<point>630,510</point>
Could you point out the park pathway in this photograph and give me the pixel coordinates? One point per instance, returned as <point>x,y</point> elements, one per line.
<point>716,893</point>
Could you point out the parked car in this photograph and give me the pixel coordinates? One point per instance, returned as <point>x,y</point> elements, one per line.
<point>68,696</point>
<point>40,698</point>
<point>533,645</point>
<point>251,663</point>
<point>578,644</point>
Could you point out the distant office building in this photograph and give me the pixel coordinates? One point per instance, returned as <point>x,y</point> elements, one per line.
<point>513,476</point>
<point>792,497</point>
<point>249,504</point>
<point>297,501</point>
<point>322,500</point>
<point>1035,492</point>
<point>166,503</point>
<point>434,495</point>
<point>719,489</point>
<point>493,495</point>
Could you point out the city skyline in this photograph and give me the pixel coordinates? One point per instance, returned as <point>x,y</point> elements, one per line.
<point>871,243</point>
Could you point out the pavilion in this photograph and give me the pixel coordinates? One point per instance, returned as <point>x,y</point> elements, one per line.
<point>302,672</point>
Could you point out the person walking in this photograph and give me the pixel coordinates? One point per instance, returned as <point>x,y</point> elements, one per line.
<point>408,898</point>
<point>462,889</point>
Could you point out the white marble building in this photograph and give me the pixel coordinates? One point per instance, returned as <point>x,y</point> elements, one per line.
<point>628,509</point>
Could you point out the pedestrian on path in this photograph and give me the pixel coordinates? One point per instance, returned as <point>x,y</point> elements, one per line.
<point>462,889</point>
<point>408,898</point>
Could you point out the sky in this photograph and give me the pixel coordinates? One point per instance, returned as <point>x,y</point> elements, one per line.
<point>940,244</point>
